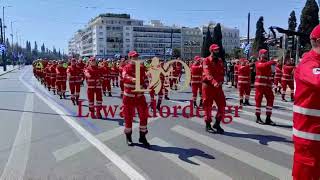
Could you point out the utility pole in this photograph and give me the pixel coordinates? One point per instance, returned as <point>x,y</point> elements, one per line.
<point>3,53</point>
<point>248,35</point>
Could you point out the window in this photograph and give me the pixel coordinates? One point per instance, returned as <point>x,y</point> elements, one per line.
<point>100,27</point>
<point>127,34</point>
<point>127,40</point>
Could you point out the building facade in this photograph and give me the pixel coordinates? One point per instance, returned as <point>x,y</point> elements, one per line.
<point>110,34</point>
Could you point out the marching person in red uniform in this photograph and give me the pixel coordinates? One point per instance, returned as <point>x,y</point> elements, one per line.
<point>213,77</point>
<point>277,79</point>
<point>196,80</point>
<point>106,84</point>
<point>121,66</point>
<point>306,116</point>
<point>81,65</point>
<point>115,75</point>
<point>287,79</point>
<point>134,100</point>
<point>263,85</point>
<point>47,80</point>
<point>61,80</point>
<point>94,79</point>
<point>75,80</point>
<point>236,73</point>
<point>53,76</point>
<point>244,81</point>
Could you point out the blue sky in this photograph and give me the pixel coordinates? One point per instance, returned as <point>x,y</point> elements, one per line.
<point>54,21</point>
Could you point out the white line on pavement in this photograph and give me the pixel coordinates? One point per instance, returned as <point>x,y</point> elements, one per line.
<point>272,145</point>
<point>73,149</point>
<point>201,171</point>
<point>105,150</point>
<point>243,156</point>
<point>19,155</point>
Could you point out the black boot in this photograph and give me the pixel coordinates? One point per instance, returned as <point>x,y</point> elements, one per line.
<point>104,93</point>
<point>159,105</point>
<point>73,102</point>
<point>110,95</point>
<point>60,96</point>
<point>209,128</point>
<point>200,105</point>
<point>269,121</point>
<point>166,98</point>
<point>283,98</point>
<point>218,127</point>
<point>259,121</point>
<point>195,104</point>
<point>54,92</point>
<point>241,102</point>
<point>247,102</point>
<point>64,96</point>
<point>292,98</point>
<point>129,139</point>
<point>143,139</point>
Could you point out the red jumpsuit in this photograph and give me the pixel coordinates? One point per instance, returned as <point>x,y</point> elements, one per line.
<point>236,74</point>
<point>121,78</point>
<point>105,69</point>
<point>53,77</point>
<point>74,82</point>
<point>306,119</point>
<point>115,75</point>
<point>287,80</point>
<point>132,100</point>
<point>81,66</point>
<point>213,73</point>
<point>263,85</point>
<point>277,77</point>
<point>94,79</point>
<point>196,80</point>
<point>48,77</point>
<point>61,79</point>
<point>244,82</point>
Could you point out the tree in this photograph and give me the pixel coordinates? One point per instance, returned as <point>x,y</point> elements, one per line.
<point>217,39</point>
<point>59,53</point>
<point>292,21</point>
<point>54,51</point>
<point>308,20</point>
<point>43,48</point>
<point>259,41</point>
<point>35,50</point>
<point>176,53</point>
<point>207,42</point>
<point>236,53</point>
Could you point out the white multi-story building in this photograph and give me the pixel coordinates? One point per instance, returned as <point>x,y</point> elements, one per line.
<point>230,36</point>
<point>111,34</point>
<point>191,39</point>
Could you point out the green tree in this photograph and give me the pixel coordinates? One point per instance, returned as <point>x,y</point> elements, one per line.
<point>292,21</point>
<point>35,50</point>
<point>259,41</point>
<point>207,42</point>
<point>308,20</point>
<point>43,48</point>
<point>217,39</point>
<point>54,51</point>
<point>176,53</point>
<point>236,53</point>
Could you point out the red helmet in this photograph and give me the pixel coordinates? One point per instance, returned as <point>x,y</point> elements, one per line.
<point>92,59</point>
<point>263,51</point>
<point>214,47</point>
<point>197,58</point>
<point>133,54</point>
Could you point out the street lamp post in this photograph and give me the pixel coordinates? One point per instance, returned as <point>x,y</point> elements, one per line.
<point>4,39</point>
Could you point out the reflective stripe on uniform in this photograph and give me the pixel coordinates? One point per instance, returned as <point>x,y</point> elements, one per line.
<point>262,84</point>
<point>243,76</point>
<point>284,79</point>
<point>306,111</point>
<point>196,76</point>
<point>243,82</point>
<point>129,85</point>
<point>306,135</point>
<point>263,77</point>
<point>196,82</point>
<point>132,95</point>
<point>93,87</point>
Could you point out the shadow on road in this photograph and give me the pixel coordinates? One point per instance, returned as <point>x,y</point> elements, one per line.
<point>263,139</point>
<point>183,154</point>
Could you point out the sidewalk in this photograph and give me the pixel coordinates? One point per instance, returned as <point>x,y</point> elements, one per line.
<point>9,69</point>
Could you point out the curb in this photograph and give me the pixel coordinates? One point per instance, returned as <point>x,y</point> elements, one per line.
<point>8,71</point>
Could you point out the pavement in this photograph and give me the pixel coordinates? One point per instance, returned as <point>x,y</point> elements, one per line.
<point>42,138</point>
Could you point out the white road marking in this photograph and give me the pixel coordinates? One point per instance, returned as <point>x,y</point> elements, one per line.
<point>19,155</point>
<point>201,171</point>
<point>73,149</point>
<point>105,150</point>
<point>243,156</point>
<point>272,145</point>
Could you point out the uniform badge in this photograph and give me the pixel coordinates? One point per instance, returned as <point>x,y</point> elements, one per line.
<point>316,71</point>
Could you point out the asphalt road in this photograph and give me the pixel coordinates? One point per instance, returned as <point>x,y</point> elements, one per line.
<point>42,138</point>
